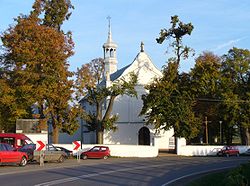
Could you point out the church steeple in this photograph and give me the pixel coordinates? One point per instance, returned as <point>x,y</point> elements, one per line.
<point>109,49</point>
<point>109,33</point>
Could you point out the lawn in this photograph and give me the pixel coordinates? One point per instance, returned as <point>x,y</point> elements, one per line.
<point>213,179</point>
<point>238,176</point>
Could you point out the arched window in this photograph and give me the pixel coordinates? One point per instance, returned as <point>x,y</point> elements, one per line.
<point>144,136</point>
<point>111,52</point>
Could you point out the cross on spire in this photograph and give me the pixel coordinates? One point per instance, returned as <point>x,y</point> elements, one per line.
<point>109,18</point>
<point>109,33</point>
<point>142,47</point>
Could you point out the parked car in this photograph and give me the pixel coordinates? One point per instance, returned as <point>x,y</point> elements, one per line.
<point>29,150</point>
<point>228,151</point>
<point>96,152</point>
<point>68,153</point>
<point>16,140</point>
<point>50,154</point>
<point>247,152</point>
<point>8,154</point>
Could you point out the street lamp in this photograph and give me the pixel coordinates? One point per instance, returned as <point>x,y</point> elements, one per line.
<point>220,131</point>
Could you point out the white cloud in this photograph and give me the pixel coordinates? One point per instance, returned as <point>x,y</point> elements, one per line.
<point>229,43</point>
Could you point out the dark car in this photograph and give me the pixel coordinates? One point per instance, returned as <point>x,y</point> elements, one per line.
<point>8,154</point>
<point>69,153</point>
<point>229,151</point>
<point>29,150</point>
<point>50,154</point>
<point>96,152</point>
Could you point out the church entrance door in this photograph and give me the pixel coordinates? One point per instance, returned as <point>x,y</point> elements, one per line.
<point>144,136</point>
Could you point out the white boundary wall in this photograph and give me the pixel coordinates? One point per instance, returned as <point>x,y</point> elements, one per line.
<point>121,150</point>
<point>201,150</point>
<point>196,150</point>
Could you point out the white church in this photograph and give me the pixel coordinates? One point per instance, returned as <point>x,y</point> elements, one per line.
<point>132,128</point>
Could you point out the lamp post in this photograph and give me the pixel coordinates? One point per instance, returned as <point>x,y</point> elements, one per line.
<point>220,132</point>
<point>206,130</point>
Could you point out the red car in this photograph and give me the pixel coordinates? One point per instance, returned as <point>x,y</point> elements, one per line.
<point>9,155</point>
<point>228,151</point>
<point>96,152</point>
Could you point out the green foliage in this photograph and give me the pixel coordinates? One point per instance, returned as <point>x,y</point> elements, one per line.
<point>238,176</point>
<point>54,12</point>
<point>168,103</point>
<point>177,31</point>
<point>235,90</point>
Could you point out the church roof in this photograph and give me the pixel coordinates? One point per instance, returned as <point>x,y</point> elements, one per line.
<point>118,73</point>
<point>142,66</point>
<point>115,75</point>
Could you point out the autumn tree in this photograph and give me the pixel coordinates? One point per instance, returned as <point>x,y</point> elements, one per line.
<point>205,88</point>
<point>91,84</point>
<point>168,103</point>
<point>35,61</point>
<point>11,108</point>
<point>235,88</point>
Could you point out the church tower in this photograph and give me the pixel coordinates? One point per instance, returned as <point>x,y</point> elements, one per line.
<point>109,49</point>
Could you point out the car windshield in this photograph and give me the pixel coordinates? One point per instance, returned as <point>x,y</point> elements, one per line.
<point>29,146</point>
<point>27,141</point>
<point>51,147</point>
<point>95,149</point>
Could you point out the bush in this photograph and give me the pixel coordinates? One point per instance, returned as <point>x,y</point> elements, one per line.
<point>239,176</point>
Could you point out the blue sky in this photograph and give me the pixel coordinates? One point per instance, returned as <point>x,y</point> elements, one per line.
<point>218,26</point>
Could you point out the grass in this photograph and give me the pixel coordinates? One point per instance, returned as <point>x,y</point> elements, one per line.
<point>213,179</point>
<point>239,176</point>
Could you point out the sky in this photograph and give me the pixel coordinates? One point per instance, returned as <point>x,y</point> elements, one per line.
<point>219,25</point>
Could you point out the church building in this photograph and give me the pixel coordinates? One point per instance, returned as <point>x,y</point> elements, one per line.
<point>131,128</point>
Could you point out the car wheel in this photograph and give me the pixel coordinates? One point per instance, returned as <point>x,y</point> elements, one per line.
<point>237,154</point>
<point>61,159</point>
<point>105,157</point>
<point>84,157</point>
<point>23,161</point>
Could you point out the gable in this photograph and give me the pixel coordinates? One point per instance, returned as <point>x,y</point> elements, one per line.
<point>143,67</point>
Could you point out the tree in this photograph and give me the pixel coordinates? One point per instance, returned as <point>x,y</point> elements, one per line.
<point>205,87</point>
<point>10,106</point>
<point>177,31</point>
<point>236,92</point>
<point>92,84</point>
<point>56,12</point>
<point>35,60</point>
<point>168,104</point>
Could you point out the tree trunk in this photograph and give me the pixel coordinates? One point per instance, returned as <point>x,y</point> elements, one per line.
<point>245,136</point>
<point>99,131</point>
<point>55,134</point>
<point>109,109</point>
<point>99,136</point>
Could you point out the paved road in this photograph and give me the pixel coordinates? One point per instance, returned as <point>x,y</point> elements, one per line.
<point>115,171</point>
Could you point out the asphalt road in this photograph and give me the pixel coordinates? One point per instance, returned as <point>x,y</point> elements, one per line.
<point>116,171</point>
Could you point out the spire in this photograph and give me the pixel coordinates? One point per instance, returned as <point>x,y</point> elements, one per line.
<point>109,50</point>
<point>109,33</point>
